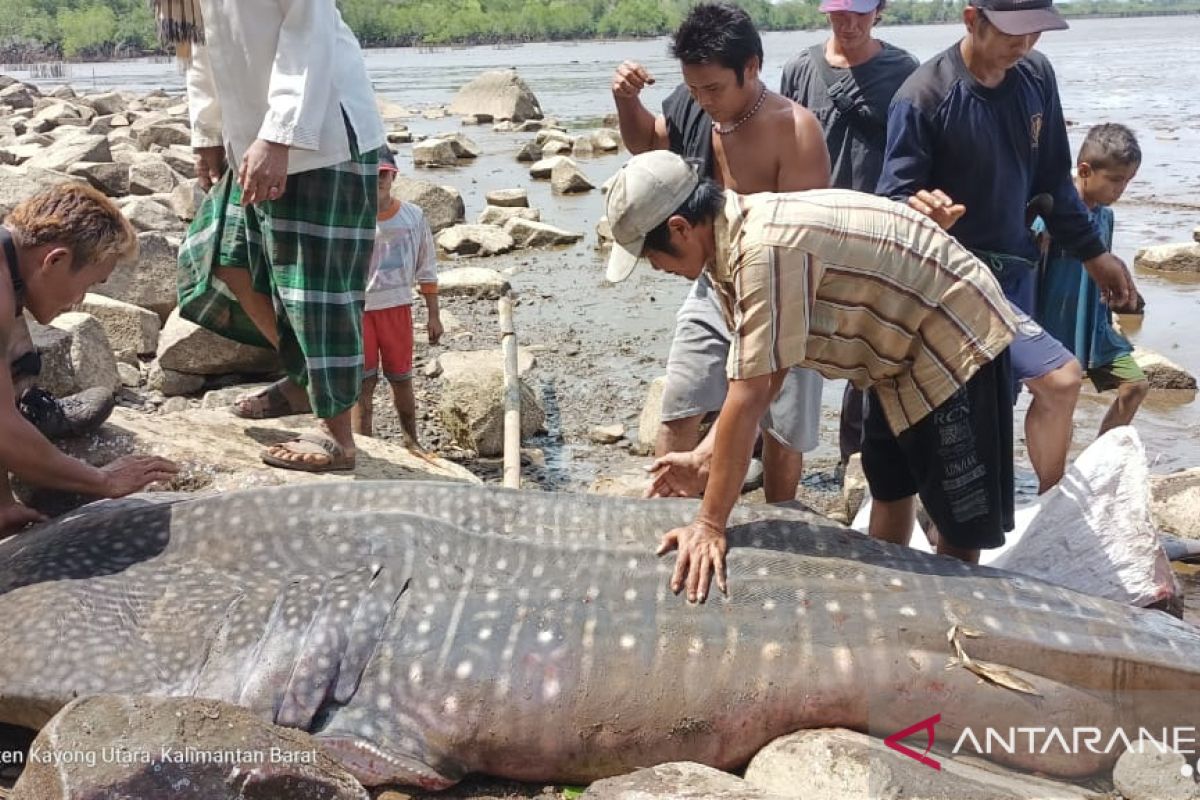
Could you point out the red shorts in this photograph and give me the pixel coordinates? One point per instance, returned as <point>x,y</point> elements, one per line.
<point>388,332</point>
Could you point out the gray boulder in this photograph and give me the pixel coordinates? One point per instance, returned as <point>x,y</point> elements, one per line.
<point>508,198</point>
<point>150,174</point>
<point>1183,257</point>
<point>434,153</point>
<point>529,233</point>
<point>443,205</point>
<point>54,346</point>
<point>530,151</point>
<point>463,147</point>
<point>555,147</point>
<point>163,133</point>
<point>19,183</point>
<point>148,215</point>
<point>606,140</point>
<point>127,326</point>
<point>79,146</point>
<point>542,170</point>
<point>150,282</point>
<point>1146,772</point>
<point>498,215</point>
<point>172,383</point>
<point>681,780</point>
<point>153,730</point>
<point>18,95</point>
<point>107,103</point>
<point>500,94</point>
<point>475,240</point>
<point>110,178</point>
<point>651,417</point>
<point>91,353</point>
<point>186,198</point>
<point>474,282</point>
<point>472,400</point>
<point>1175,502</point>
<point>186,347</point>
<point>567,178</point>
<point>178,158</point>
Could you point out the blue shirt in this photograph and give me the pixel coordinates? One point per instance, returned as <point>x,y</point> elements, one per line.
<point>1069,305</point>
<point>991,149</point>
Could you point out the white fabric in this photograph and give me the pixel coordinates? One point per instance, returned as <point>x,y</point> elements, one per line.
<point>404,255</point>
<point>1092,533</point>
<point>283,71</point>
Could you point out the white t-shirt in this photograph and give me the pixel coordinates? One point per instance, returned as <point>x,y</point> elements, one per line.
<point>404,256</point>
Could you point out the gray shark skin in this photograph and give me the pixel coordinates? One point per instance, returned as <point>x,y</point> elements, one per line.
<point>423,631</point>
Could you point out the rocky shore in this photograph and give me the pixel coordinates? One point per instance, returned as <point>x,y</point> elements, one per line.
<point>590,388</point>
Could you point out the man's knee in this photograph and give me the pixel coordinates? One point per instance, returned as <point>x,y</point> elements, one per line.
<point>1135,391</point>
<point>1059,386</point>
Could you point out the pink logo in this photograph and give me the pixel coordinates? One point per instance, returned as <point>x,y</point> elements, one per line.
<point>894,741</point>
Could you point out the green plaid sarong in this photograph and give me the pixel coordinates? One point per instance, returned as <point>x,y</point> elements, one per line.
<point>309,251</point>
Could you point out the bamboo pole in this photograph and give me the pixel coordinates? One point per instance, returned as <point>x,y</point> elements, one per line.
<point>512,396</point>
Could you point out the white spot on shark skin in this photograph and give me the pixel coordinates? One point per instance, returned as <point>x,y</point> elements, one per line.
<point>463,671</point>
<point>843,659</point>
<point>538,570</point>
<point>1063,637</point>
<point>628,642</point>
<point>343,549</point>
<point>443,549</point>
<point>833,606</point>
<point>383,702</point>
<point>556,594</point>
<point>762,572</point>
<point>502,564</point>
<point>630,595</point>
<point>485,634</point>
<point>991,622</point>
<point>423,626</point>
<point>695,646</point>
<point>771,651</point>
<point>551,689</point>
<point>492,596</point>
<point>545,637</point>
<point>632,564</point>
<point>907,611</point>
<point>978,595</point>
<point>769,605</point>
<point>429,609</point>
<point>899,584</point>
<point>450,705</point>
<point>414,674</point>
<point>434,582</point>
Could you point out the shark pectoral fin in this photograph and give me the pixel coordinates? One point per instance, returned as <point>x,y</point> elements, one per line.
<point>374,766</point>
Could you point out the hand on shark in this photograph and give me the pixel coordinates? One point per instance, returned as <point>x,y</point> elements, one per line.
<point>701,556</point>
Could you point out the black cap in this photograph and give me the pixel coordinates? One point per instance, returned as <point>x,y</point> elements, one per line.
<point>1022,17</point>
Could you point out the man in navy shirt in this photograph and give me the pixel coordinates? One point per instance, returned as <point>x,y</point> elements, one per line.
<point>975,135</point>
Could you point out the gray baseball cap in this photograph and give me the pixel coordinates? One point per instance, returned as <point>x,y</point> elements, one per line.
<point>643,195</point>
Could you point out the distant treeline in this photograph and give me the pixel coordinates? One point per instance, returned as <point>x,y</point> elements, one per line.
<point>35,30</point>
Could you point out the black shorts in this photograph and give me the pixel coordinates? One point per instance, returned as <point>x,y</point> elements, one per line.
<point>959,459</point>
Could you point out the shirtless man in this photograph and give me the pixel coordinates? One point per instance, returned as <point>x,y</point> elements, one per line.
<point>748,139</point>
<point>54,246</point>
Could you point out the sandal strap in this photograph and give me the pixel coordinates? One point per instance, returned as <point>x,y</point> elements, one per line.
<point>327,444</point>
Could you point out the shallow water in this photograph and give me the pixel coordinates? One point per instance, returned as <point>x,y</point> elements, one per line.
<point>1140,72</point>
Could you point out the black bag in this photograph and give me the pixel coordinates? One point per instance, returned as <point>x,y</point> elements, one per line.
<point>847,99</point>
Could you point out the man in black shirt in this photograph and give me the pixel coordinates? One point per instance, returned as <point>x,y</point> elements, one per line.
<point>848,81</point>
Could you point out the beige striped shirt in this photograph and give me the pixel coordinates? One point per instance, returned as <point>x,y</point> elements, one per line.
<point>858,287</point>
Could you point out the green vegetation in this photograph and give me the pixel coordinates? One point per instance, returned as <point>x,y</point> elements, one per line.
<point>90,29</point>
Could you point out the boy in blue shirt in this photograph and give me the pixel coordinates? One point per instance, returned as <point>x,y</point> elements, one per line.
<point>1069,305</point>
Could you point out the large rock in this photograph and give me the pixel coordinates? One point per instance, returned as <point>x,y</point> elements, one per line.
<point>108,103</point>
<point>529,233</point>
<point>530,151</point>
<point>1162,372</point>
<point>172,383</point>
<point>554,148</point>
<point>434,153</point>
<point>163,133</point>
<point>80,146</point>
<point>475,240</point>
<point>472,400</point>
<point>567,178</point>
<point>1146,772</point>
<point>179,158</point>
<point>54,115</point>
<point>127,326</point>
<point>508,198</point>
<point>19,183</point>
<point>92,358</point>
<point>150,174</point>
<point>835,764</point>
<point>682,780</point>
<point>1175,502</point>
<point>651,417</point>
<point>543,169</point>
<point>186,199</point>
<point>499,93</point>
<point>1169,257</point>
<point>474,282</point>
<point>463,146</point>
<point>18,95</point>
<point>443,205</point>
<point>110,178</point>
<point>150,282</point>
<point>149,215</point>
<point>391,113</point>
<point>499,215</point>
<point>54,346</point>
<point>154,732</point>
<point>186,347</point>
<point>606,140</point>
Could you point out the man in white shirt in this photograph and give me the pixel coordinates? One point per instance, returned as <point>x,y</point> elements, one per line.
<point>285,129</point>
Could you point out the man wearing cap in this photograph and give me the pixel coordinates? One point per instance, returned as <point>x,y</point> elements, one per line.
<point>856,287</point>
<point>848,81</point>
<point>751,140</point>
<point>975,135</point>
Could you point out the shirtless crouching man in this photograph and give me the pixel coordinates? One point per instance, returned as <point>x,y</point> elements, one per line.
<point>747,139</point>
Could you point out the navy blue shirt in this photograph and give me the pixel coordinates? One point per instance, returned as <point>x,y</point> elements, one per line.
<point>991,149</point>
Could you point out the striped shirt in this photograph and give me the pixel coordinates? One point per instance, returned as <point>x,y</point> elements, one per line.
<point>857,287</point>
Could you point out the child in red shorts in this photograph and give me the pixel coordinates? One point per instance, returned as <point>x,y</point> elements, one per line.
<point>404,255</point>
